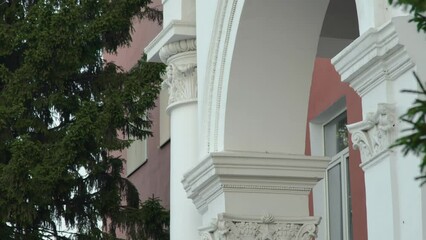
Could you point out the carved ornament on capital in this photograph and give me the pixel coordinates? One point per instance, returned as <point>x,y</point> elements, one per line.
<point>181,81</point>
<point>376,133</point>
<point>181,73</point>
<point>266,228</point>
<point>182,46</point>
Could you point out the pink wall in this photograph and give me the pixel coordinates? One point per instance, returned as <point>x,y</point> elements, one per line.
<point>326,89</point>
<point>153,177</point>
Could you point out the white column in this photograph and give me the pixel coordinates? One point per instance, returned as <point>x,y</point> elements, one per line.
<point>181,80</point>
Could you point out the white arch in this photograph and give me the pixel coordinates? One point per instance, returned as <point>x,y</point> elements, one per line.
<point>239,120</point>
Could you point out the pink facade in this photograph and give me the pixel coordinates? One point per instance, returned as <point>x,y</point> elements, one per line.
<point>326,89</point>
<point>152,177</point>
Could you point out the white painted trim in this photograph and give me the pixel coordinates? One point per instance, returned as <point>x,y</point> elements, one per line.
<point>164,122</point>
<point>130,158</point>
<point>316,126</point>
<point>318,143</point>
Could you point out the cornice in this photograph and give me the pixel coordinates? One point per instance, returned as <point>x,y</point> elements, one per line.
<point>177,47</point>
<point>374,57</point>
<point>374,135</point>
<point>265,227</point>
<point>252,173</point>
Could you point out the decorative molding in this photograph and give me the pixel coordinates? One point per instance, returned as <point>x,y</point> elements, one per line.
<point>375,57</point>
<point>218,53</point>
<point>180,77</point>
<point>248,172</point>
<point>181,81</point>
<point>302,189</point>
<point>177,47</point>
<point>375,133</point>
<point>175,31</point>
<point>227,227</point>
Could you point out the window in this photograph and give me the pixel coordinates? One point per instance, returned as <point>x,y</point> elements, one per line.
<point>335,135</point>
<point>164,117</point>
<point>136,155</point>
<point>338,192</point>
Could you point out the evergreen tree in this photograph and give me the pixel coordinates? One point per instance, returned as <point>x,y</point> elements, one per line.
<point>415,7</point>
<point>62,107</point>
<point>415,141</point>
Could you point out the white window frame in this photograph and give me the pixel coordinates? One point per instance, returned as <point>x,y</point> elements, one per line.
<point>339,158</point>
<point>316,130</point>
<point>316,126</point>
<point>137,161</point>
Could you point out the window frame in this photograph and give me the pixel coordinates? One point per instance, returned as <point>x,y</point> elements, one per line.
<point>164,121</point>
<point>129,158</point>
<point>316,126</point>
<point>339,158</point>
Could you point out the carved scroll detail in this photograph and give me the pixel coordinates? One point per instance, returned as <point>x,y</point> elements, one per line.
<point>374,134</point>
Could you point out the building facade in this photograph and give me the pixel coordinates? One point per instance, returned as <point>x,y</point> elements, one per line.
<point>281,117</point>
<point>147,163</point>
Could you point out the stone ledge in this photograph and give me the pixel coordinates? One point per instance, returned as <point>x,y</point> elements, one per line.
<point>246,172</point>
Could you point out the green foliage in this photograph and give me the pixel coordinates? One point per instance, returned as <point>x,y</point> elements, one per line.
<point>151,221</point>
<point>61,109</point>
<point>417,8</point>
<point>415,141</point>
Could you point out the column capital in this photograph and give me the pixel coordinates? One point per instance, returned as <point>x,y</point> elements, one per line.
<point>374,135</point>
<point>181,73</point>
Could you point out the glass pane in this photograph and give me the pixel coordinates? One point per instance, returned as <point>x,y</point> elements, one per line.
<point>335,135</point>
<point>335,203</point>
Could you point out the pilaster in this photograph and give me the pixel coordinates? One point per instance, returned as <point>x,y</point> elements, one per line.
<point>378,66</point>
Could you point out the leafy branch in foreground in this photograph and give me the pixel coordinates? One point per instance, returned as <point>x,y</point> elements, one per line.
<point>415,141</point>
<point>61,109</point>
<point>417,8</point>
